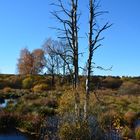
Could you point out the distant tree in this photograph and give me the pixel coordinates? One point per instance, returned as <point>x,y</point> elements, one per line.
<point>54,61</point>
<point>31,62</point>
<point>51,66</point>
<point>39,61</point>
<point>25,62</point>
<point>60,50</point>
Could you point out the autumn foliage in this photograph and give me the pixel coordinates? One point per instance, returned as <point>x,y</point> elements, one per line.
<point>31,62</point>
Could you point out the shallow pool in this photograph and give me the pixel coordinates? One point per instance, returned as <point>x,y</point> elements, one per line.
<point>15,135</point>
<point>6,101</point>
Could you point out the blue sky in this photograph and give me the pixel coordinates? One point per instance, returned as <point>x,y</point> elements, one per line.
<point>25,23</point>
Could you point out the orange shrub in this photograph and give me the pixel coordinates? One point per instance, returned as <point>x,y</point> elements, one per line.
<point>130,116</point>
<point>129,88</point>
<point>110,82</point>
<point>7,89</point>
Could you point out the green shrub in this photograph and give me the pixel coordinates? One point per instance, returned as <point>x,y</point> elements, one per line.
<point>43,111</point>
<point>109,119</point>
<point>52,103</point>
<point>137,133</point>
<point>40,81</point>
<point>41,87</point>
<point>31,123</point>
<point>27,83</point>
<point>15,81</point>
<point>66,103</point>
<point>74,131</point>
<point>127,132</point>
<point>31,96</point>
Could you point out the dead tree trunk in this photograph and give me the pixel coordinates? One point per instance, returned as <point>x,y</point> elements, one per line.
<point>70,30</point>
<point>89,60</point>
<point>75,39</point>
<point>75,56</point>
<point>94,39</point>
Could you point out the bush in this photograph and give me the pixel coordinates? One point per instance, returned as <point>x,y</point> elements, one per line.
<point>39,80</point>
<point>66,103</point>
<point>50,102</point>
<point>129,88</point>
<point>3,83</point>
<point>137,133</point>
<point>31,123</point>
<point>40,87</point>
<point>15,81</point>
<point>110,119</point>
<point>7,89</point>
<point>110,82</point>
<point>95,82</point>
<point>8,120</point>
<point>130,117</point>
<point>31,96</point>
<point>27,83</point>
<point>74,131</point>
<point>43,111</point>
<point>127,132</point>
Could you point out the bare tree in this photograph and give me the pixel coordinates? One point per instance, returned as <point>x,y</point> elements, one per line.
<point>51,65</point>
<point>69,19</point>
<point>94,43</point>
<point>60,49</point>
<point>54,61</point>
<point>70,31</point>
<point>66,55</point>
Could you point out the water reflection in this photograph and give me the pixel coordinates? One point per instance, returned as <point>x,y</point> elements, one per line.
<point>14,135</point>
<point>6,101</point>
<point>1,100</point>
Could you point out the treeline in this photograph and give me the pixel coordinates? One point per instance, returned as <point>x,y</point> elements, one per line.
<point>53,58</point>
<point>39,83</point>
